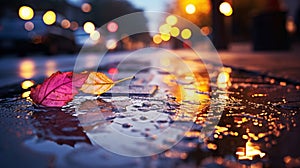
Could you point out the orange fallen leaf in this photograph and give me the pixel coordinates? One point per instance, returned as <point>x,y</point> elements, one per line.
<point>98,83</point>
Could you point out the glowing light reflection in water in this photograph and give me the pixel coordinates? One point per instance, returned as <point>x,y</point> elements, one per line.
<point>27,69</point>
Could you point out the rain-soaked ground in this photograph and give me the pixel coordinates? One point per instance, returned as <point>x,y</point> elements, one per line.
<point>241,119</point>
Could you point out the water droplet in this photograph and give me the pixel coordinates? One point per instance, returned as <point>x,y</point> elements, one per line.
<point>143,118</point>
<point>126,125</point>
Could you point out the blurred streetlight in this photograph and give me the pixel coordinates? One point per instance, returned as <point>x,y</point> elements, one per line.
<point>86,7</point>
<point>190,9</point>
<point>157,39</point>
<point>174,31</point>
<point>29,26</point>
<point>95,35</point>
<point>226,9</point>
<point>49,18</point>
<point>165,37</point>
<point>26,12</point>
<point>112,27</point>
<point>74,25</point>
<point>65,23</point>
<point>111,44</point>
<point>186,34</point>
<point>171,20</point>
<point>165,29</point>
<point>89,27</point>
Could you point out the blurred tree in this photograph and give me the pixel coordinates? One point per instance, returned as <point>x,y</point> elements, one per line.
<point>244,11</point>
<point>105,10</point>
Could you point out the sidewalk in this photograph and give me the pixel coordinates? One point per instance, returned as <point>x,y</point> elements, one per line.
<point>284,64</point>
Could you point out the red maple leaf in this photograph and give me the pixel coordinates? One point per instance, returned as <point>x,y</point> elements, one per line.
<point>58,89</point>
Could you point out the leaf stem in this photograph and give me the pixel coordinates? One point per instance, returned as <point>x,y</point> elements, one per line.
<point>124,79</point>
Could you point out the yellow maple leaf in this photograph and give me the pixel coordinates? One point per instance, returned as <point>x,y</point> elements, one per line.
<point>98,83</point>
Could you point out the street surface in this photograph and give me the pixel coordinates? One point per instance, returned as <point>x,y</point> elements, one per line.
<point>201,115</point>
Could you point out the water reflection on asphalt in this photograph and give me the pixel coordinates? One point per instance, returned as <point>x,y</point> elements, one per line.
<point>256,116</point>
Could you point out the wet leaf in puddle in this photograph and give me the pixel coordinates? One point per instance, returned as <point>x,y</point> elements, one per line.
<point>58,89</point>
<point>98,83</point>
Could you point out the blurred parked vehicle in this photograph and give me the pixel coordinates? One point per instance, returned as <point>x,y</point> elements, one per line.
<point>21,36</point>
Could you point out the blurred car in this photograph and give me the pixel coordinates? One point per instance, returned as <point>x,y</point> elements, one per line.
<point>21,36</point>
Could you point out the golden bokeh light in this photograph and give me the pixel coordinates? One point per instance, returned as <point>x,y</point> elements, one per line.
<point>290,25</point>
<point>226,9</point>
<point>223,80</point>
<point>51,67</point>
<point>95,35</point>
<point>186,34</point>
<point>223,77</point>
<point>27,69</point>
<point>29,26</point>
<point>89,27</point>
<point>27,84</point>
<point>171,20</point>
<point>165,29</point>
<point>157,39</point>
<point>65,23</point>
<point>49,18</point>
<point>86,7</point>
<point>26,94</point>
<point>190,9</point>
<point>174,31</point>
<point>26,12</point>
<point>165,37</point>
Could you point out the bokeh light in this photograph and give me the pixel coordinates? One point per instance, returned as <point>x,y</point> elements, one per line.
<point>112,27</point>
<point>171,20</point>
<point>113,71</point>
<point>156,39</point>
<point>190,9</point>
<point>29,26</point>
<point>86,7</point>
<point>226,9</point>
<point>49,18</point>
<point>186,33</point>
<point>65,23</point>
<point>174,31</point>
<point>290,25</point>
<point>27,69</point>
<point>206,30</point>
<point>51,67</point>
<point>165,37</point>
<point>111,44</point>
<point>74,25</point>
<point>27,84</point>
<point>165,29</point>
<point>26,12</point>
<point>95,35</point>
<point>223,77</point>
<point>89,27</point>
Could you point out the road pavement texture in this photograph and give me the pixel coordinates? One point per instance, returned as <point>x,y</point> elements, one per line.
<point>257,116</point>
